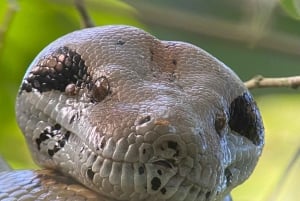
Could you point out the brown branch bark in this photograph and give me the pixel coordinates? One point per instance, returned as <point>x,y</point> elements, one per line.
<point>263,82</point>
<point>86,19</point>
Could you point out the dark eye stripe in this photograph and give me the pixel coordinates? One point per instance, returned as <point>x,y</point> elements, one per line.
<point>56,72</point>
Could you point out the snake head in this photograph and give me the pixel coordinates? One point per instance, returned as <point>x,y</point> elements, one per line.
<point>136,118</point>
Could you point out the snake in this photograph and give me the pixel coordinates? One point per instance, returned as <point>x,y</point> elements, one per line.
<point>113,113</point>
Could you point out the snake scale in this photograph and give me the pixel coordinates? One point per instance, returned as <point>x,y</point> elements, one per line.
<point>113,113</point>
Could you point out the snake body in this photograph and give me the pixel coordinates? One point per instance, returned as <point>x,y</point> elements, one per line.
<point>131,117</point>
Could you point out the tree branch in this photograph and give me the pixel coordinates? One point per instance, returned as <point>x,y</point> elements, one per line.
<point>86,19</point>
<point>262,82</point>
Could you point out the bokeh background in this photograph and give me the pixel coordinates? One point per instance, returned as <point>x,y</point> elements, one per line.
<point>251,36</point>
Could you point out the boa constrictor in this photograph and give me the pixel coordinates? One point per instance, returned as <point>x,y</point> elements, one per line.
<point>130,117</point>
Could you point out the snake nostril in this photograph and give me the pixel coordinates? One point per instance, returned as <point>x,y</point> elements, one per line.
<point>245,118</point>
<point>144,120</point>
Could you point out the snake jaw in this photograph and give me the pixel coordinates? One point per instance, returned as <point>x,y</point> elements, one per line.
<point>135,118</point>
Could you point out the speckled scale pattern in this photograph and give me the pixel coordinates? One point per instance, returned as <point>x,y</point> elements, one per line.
<point>139,118</point>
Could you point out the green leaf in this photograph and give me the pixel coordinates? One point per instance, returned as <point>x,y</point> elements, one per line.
<point>291,7</point>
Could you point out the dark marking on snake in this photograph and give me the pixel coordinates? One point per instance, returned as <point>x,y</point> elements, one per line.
<point>56,71</point>
<point>245,118</point>
<point>102,144</point>
<point>141,170</point>
<point>228,175</point>
<point>174,62</point>
<point>173,145</point>
<point>155,183</point>
<point>220,122</point>
<point>163,191</point>
<point>151,53</point>
<point>207,194</point>
<point>120,42</point>
<point>159,172</point>
<point>100,89</point>
<point>90,173</point>
<point>53,133</point>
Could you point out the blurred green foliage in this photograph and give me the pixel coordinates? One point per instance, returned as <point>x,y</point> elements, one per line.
<point>28,26</point>
<point>292,7</point>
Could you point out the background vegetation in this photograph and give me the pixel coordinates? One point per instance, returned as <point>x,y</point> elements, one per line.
<point>251,36</point>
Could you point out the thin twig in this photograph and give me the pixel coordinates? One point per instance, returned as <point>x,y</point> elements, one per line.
<point>86,19</point>
<point>262,82</point>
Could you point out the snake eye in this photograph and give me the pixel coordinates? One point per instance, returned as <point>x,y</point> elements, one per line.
<point>245,118</point>
<point>100,89</point>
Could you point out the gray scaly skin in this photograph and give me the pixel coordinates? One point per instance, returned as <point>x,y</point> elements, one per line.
<point>134,118</point>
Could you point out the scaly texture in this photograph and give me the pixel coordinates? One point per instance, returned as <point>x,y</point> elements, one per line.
<point>135,118</point>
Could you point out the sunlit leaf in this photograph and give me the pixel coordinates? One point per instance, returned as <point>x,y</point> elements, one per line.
<point>291,7</point>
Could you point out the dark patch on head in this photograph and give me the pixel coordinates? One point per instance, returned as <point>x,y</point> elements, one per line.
<point>151,53</point>
<point>155,183</point>
<point>144,120</point>
<point>99,89</point>
<point>207,194</point>
<point>57,126</point>
<point>51,152</point>
<point>159,172</point>
<point>163,191</point>
<point>141,170</point>
<point>102,144</point>
<point>174,62</point>
<point>220,122</point>
<point>173,145</point>
<point>245,118</point>
<point>56,72</point>
<point>120,42</point>
<point>228,176</point>
<point>90,173</point>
